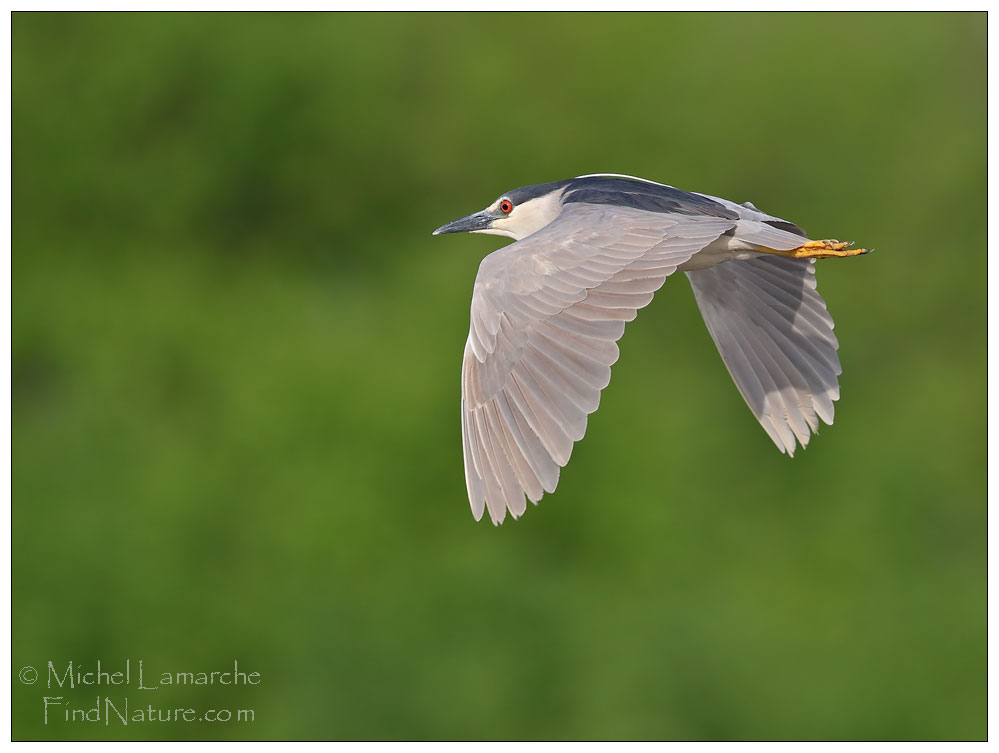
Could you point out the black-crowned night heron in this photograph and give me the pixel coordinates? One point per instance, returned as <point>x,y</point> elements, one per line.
<point>547,312</point>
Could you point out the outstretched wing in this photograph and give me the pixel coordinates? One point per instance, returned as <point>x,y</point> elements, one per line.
<point>776,337</point>
<point>546,314</point>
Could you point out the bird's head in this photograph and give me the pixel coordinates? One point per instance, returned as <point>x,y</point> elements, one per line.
<point>515,214</point>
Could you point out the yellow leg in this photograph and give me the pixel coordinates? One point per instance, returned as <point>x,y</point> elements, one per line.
<point>821,250</point>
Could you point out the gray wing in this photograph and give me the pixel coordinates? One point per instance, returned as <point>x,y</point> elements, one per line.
<point>776,337</point>
<point>546,314</point>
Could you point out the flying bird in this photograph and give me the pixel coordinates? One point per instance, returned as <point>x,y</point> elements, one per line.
<point>547,312</point>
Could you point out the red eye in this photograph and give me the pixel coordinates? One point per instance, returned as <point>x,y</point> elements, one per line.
<point>506,207</point>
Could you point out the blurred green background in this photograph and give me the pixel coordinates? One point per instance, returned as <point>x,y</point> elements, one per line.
<point>236,351</point>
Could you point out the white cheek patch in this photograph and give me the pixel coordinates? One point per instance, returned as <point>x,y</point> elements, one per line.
<point>531,216</point>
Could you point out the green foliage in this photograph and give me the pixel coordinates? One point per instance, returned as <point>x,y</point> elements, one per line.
<point>235,378</point>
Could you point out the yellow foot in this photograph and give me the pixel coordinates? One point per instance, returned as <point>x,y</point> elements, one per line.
<point>822,250</point>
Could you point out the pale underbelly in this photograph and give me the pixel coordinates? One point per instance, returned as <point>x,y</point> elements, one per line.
<point>723,249</point>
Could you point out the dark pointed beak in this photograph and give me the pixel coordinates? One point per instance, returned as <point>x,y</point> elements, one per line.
<point>478,221</point>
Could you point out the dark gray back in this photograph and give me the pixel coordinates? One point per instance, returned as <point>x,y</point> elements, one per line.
<point>651,197</point>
